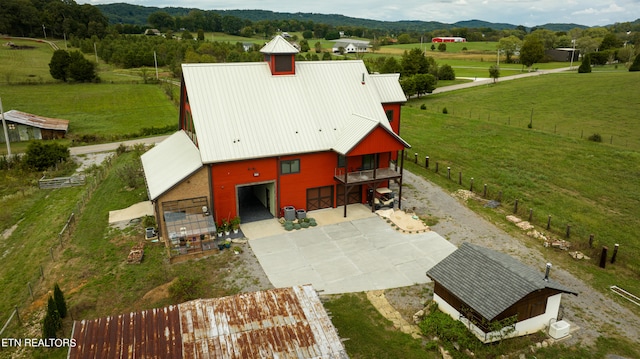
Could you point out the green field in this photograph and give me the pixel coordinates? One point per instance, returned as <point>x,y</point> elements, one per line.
<point>549,168</point>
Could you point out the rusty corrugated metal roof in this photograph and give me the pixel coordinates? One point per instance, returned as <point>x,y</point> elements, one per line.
<point>278,323</point>
<point>36,121</point>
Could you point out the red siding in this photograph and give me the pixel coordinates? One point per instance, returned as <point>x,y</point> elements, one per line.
<point>378,141</point>
<point>316,170</point>
<point>395,121</point>
<point>226,176</point>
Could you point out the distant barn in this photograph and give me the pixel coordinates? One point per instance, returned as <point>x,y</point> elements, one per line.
<point>448,39</point>
<point>22,126</point>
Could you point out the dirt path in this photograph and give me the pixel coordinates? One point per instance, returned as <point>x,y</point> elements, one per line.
<point>592,311</point>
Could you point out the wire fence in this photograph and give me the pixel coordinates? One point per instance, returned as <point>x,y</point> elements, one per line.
<point>35,286</point>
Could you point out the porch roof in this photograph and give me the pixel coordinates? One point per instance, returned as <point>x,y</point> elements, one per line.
<point>171,161</point>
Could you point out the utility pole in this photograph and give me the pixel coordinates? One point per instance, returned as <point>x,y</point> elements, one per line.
<point>44,32</point>
<point>4,127</point>
<point>573,51</point>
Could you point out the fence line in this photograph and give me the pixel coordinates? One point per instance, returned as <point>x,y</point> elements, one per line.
<point>526,119</point>
<point>61,182</point>
<point>517,209</point>
<point>65,232</point>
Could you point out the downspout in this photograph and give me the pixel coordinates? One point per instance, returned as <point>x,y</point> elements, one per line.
<point>210,172</point>
<point>277,194</point>
<point>401,176</point>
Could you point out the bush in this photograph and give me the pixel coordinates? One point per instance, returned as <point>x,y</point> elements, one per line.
<point>297,226</point>
<point>585,66</point>
<point>423,107</point>
<point>185,289</point>
<point>61,304</point>
<point>445,72</point>
<point>41,155</point>
<point>444,111</point>
<point>636,64</point>
<point>595,137</point>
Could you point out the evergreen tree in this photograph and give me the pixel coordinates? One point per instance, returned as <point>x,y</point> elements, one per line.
<point>49,328</point>
<point>636,64</point>
<point>585,66</point>
<point>59,65</point>
<point>61,304</point>
<point>52,312</point>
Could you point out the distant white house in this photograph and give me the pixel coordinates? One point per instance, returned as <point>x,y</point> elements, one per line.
<point>351,46</point>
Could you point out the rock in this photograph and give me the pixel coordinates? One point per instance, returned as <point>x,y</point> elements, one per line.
<point>513,219</point>
<point>538,345</point>
<point>545,343</point>
<point>522,356</point>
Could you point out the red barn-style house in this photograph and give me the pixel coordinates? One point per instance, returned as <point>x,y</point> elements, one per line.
<point>259,137</point>
<point>448,39</point>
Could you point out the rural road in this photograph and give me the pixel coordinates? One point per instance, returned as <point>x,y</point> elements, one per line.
<point>109,147</point>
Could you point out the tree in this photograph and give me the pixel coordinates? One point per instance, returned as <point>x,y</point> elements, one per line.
<point>161,20</point>
<point>52,311</point>
<point>307,34</point>
<point>304,46</point>
<point>200,35</point>
<point>610,41</point>
<point>532,51</point>
<point>442,47</point>
<point>80,69</point>
<point>509,45</point>
<point>61,304</point>
<point>445,72</point>
<point>42,155</point>
<point>636,64</point>
<point>424,83</point>
<point>404,39</point>
<point>390,66</point>
<point>186,35</point>
<point>494,73</point>
<point>585,66</point>
<point>59,65</point>
<point>414,62</point>
<point>332,35</point>
<point>318,47</point>
<point>408,85</point>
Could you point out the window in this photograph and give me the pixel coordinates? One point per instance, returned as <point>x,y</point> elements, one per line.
<point>389,115</point>
<point>289,166</point>
<point>342,161</point>
<point>368,162</point>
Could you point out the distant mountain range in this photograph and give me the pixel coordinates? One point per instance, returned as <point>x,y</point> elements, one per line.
<point>138,15</point>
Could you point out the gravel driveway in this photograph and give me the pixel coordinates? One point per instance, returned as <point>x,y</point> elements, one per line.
<point>590,310</point>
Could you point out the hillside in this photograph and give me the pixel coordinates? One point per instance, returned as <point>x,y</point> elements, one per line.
<point>138,15</point>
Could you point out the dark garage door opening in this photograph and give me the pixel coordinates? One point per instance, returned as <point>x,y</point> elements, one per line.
<point>255,202</point>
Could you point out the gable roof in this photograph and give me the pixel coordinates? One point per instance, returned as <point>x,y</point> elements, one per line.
<point>357,129</point>
<point>488,281</point>
<point>278,45</point>
<point>388,89</point>
<point>242,111</point>
<point>276,323</point>
<point>28,119</point>
<point>171,161</point>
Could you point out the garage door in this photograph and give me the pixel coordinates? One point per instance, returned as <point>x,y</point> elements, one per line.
<point>355,195</point>
<point>319,197</point>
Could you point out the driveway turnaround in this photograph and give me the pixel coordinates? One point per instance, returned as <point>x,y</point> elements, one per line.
<point>360,255</point>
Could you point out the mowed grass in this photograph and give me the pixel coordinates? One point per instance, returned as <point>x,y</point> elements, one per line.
<point>95,109</point>
<point>591,186</point>
<point>25,65</point>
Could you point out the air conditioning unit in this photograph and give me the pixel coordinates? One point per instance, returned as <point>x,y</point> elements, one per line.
<point>559,329</point>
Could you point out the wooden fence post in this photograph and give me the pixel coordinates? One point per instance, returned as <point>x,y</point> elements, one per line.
<point>426,162</point>
<point>530,215</point>
<point>568,230</point>
<point>615,253</point>
<point>484,192</point>
<point>449,172</point>
<point>591,240</point>
<point>548,222</point>
<point>436,167</point>
<point>603,257</point>
<point>515,206</point>
<point>471,186</point>
<point>460,178</point>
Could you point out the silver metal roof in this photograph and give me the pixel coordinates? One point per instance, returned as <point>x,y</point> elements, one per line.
<point>277,323</point>
<point>389,88</point>
<point>171,161</point>
<point>241,110</point>
<point>278,45</point>
<point>36,121</point>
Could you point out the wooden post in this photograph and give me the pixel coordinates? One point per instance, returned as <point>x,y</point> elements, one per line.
<point>603,257</point>
<point>416,157</point>
<point>426,162</point>
<point>530,214</point>
<point>436,167</point>
<point>17,314</point>
<point>591,240</point>
<point>615,253</point>
<point>471,186</point>
<point>51,252</point>
<point>484,192</point>
<point>568,230</point>
<point>30,290</point>
<point>548,222</point>
<point>500,196</point>
<point>449,172</point>
<point>460,178</point>
<point>41,272</point>
<point>515,206</point>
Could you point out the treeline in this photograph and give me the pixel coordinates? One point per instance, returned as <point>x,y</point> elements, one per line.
<point>51,18</point>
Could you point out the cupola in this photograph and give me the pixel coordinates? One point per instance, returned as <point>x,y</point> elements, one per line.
<point>281,56</point>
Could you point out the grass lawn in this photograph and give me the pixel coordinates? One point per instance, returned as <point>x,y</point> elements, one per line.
<point>25,65</point>
<point>105,110</point>
<point>549,168</point>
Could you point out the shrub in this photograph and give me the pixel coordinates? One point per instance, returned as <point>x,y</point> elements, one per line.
<point>423,107</point>
<point>41,155</point>
<point>185,289</point>
<point>444,111</point>
<point>595,137</point>
<point>61,304</point>
<point>445,72</point>
<point>636,64</point>
<point>304,224</point>
<point>297,226</point>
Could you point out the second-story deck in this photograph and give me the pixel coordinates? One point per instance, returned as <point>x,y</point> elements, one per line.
<point>365,176</point>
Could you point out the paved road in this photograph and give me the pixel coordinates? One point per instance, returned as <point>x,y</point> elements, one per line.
<point>108,147</point>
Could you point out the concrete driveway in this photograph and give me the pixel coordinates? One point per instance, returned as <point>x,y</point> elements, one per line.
<point>351,256</point>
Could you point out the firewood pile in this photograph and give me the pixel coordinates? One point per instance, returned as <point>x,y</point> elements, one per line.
<point>136,254</point>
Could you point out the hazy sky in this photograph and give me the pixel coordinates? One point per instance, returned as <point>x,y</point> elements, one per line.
<point>518,12</point>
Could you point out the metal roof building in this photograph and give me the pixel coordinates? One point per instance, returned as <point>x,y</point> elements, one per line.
<point>278,323</point>
<point>24,126</point>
